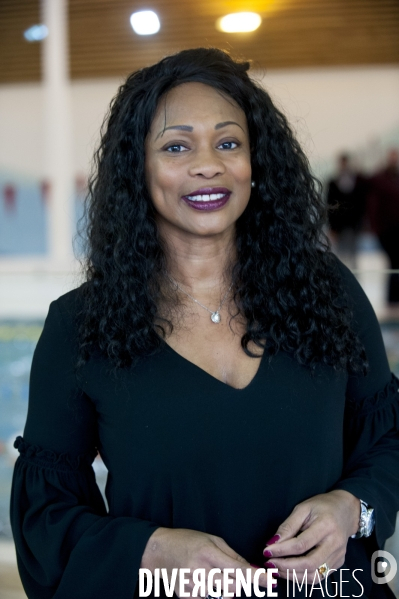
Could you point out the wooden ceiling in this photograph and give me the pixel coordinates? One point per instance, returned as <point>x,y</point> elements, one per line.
<point>294,33</point>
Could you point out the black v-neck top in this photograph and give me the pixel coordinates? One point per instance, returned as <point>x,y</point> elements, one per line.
<point>185,450</point>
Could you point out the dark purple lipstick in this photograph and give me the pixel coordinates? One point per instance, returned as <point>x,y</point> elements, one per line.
<point>207,198</point>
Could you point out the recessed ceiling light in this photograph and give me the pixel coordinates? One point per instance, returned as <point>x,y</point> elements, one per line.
<point>36,33</point>
<point>145,22</point>
<point>239,22</point>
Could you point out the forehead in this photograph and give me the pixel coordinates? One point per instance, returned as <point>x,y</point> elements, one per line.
<point>195,101</point>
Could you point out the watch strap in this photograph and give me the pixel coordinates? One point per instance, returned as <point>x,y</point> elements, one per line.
<point>366,521</point>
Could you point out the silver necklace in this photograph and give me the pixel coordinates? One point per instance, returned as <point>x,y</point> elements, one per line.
<point>215,316</point>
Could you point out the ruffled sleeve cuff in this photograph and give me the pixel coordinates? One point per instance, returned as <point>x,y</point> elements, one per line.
<point>369,419</point>
<point>371,448</point>
<point>383,397</point>
<point>66,543</point>
<point>45,458</point>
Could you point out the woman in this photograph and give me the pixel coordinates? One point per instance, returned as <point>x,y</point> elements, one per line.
<point>229,370</point>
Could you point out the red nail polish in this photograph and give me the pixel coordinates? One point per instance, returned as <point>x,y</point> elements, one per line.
<point>273,540</point>
<point>270,565</point>
<point>267,553</point>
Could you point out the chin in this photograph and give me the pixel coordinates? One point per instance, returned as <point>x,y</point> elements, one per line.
<point>212,229</point>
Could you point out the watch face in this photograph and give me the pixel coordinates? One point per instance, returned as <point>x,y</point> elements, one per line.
<point>367,521</point>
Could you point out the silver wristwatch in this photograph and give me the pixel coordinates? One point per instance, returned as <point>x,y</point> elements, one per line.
<point>367,521</point>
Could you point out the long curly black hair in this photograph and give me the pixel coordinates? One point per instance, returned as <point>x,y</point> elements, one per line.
<point>286,282</point>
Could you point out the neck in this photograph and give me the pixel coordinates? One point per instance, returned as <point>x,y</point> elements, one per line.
<point>200,264</point>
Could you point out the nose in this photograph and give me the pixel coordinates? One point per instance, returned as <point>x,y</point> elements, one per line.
<point>206,163</point>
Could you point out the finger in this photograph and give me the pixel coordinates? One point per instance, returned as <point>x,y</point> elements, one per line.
<point>262,577</point>
<point>262,580</point>
<point>223,546</point>
<point>308,563</point>
<point>232,559</point>
<point>292,525</point>
<point>299,545</point>
<point>228,558</point>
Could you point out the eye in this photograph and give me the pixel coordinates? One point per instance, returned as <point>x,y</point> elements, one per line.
<point>175,148</point>
<point>228,145</point>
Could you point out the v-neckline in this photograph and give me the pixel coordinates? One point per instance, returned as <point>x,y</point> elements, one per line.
<point>207,374</point>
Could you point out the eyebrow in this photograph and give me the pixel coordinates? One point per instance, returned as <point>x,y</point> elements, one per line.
<point>190,129</point>
<point>225,123</point>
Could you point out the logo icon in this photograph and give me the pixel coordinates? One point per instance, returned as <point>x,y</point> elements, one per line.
<point>383,567</point>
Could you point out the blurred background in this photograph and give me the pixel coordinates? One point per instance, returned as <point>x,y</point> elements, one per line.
<point>332,66</point>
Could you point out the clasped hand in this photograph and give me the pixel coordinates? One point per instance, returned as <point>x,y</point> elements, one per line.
<point>316,532</point>
<point>177,548</point>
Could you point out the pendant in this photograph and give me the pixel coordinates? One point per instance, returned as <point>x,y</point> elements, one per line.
<point>215,317</point>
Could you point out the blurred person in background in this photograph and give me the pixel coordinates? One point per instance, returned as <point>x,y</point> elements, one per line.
<point>383,209</point>
<point>346,199</point>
